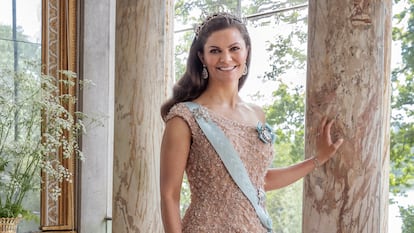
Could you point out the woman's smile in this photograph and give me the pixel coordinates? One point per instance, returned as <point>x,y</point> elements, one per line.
<point>228,68</point>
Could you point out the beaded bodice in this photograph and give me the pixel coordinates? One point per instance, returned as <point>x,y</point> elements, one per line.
<point>217,204</point>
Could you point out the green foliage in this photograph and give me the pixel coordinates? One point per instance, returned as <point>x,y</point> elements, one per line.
<point>284,55</point>
<point>26,51</point>
<point>181,52</point>
<point>285,205</point>
<point>407,215</point>
<point>402,119</point>
<point>286,114</point>
<point>402,157</point>
<point>185,11</point>
<point>261,6</point>
<point>10,210</point>
<point>285,208</point>
<point>405,34</point>
<point>34,125</point>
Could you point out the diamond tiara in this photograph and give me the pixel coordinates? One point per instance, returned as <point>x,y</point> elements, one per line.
<point>213,16</point>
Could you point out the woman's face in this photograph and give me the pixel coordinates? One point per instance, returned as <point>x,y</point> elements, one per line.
<point>225,55</point>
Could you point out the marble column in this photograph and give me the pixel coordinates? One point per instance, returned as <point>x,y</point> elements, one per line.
<point>143,72</point>
<point>349,79</point>
<point>97,65</point>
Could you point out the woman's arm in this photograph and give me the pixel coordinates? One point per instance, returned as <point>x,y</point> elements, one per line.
<point>175,147</point>
<point>281,177</point>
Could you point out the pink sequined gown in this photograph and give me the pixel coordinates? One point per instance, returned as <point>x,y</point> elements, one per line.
<point>217,204</point>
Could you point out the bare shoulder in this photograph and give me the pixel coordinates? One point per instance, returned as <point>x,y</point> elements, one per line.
<point>258,111</point>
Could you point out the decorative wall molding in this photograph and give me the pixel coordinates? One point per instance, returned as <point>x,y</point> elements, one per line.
<point>59,52</point>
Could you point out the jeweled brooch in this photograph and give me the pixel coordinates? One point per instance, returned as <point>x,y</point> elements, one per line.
<point>200,113</point>
<point>265,133</point>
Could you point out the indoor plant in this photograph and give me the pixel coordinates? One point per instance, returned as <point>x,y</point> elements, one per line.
<point>34,125</point>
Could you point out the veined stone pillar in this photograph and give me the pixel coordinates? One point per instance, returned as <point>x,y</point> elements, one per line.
<point>349,80</point>
<point>143,70</point>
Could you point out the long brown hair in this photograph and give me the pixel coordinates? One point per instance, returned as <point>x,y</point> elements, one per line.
<point>191,85</point>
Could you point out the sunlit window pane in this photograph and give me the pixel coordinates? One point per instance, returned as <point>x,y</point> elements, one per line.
<point>20,46</point>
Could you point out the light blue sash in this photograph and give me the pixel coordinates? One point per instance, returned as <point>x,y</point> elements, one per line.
<point>231,161</point>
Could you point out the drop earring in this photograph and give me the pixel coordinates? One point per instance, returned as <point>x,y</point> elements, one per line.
<point>245,71</point>
<point>204,73</point>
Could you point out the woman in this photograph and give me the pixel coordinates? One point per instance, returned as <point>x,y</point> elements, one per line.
<point>217,68</point>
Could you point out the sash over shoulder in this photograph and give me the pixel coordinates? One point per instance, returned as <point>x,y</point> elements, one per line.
<point>232,161</point>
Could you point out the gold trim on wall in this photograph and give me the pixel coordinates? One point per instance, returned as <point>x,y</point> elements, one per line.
<point>59,52</point>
